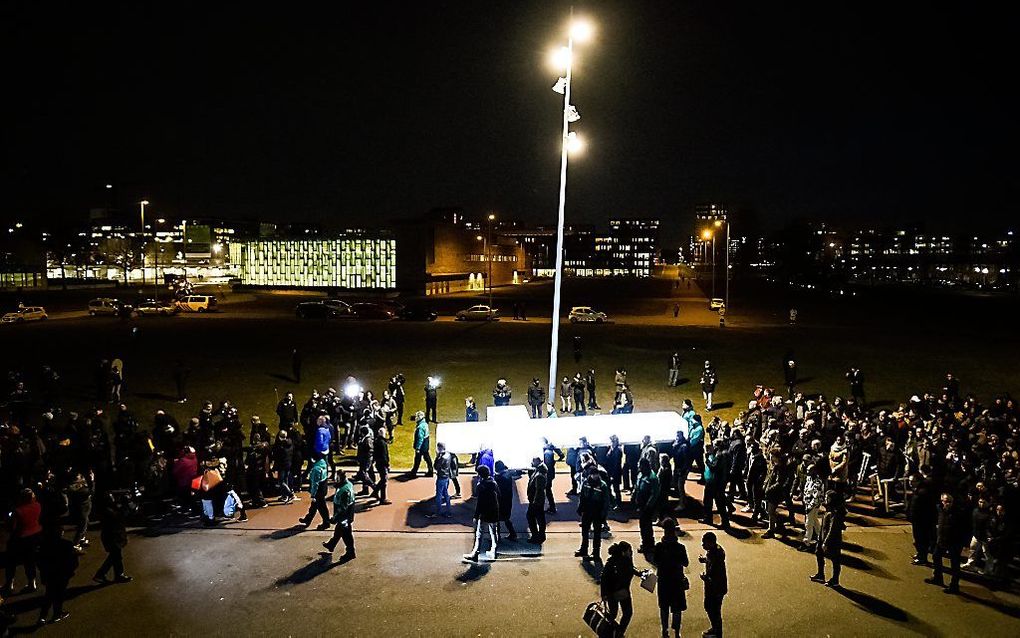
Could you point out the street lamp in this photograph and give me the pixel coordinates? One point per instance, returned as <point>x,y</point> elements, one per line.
<point>718,223</point>
<point>488,257</point>
<point>142,204</point>
<point>706,235</point>
<point>579,30</point>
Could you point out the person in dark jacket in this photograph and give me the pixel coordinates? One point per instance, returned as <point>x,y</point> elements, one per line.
<point>57,563</point>
<point>577,387</point>
<point>550,454</point>
<point>951,530</point>
<point>714,560</point>
<point>589,386</point>
<point>501,394</point>
<point>670,558</point>
<point>287,411</point>
<point>757,468</point>
<point>343,517</point>
<point>830,539</point>
<point>114,537</point>
<point>283,461</point>
<point>486,513</point>
<point>738,464</point>
<point>366,460</point>
<point>614,468</point>
<point>614,584</point>
<point>431,400</point>
<point>646,499</point>
<point>505,482</point>
<point>536,398</point>
<point>717,474</point>
<point>381,452</point>
<point>593,507</point>
<point>537,484</point>
<point>922,513</point>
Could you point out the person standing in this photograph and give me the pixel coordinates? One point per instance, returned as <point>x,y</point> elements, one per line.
<point>283,462</point>
<point>614,469</point>
<point>593,507</point>
<point>578,389</point>
<point>674,370</point>
<point>923,514</point>
<point>501,394</point>
<point>717,472</point>
<point>396,389</point>
<point>790,373</point>
<point>646,499</point>
<point>811,497</point>
<point>577,349</point>
<point>295,364</point>
<point>287,412</point>
<point>505,482</point>
<point>855,378</point>
<point>431,399</point>
<point>951,530</point>
<point>57,563</point>
<point>550,454</point>
<point>536,398</point>
<point>343,516</point>
<point>670,558</point>
<point>470,410</point>
<point>614,584</point>
<point>366,460</point>
<point>486,514</point>
<point>23,541</point>
<point>566,395</point>
<point>676,308</point>
<point>590,382</point>
<point>381,453</point>
<point>318,478</point>
<point>716,588</point>
<point>444,470</point>
<point>421,445</point>
<point>830,539</point>
<point>709,380</point>
<point>537,485</point>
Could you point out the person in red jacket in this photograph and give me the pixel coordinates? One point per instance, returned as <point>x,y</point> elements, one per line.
<point>24,541</point>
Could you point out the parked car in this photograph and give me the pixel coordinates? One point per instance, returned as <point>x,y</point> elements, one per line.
<point>716,304</point>
<point>106,306</point>
<point>586,314</point>
<point>26,313</point>
<point>372,311</point>
<point>418,312</point>
<point>156,307</point>
<point>478,313</point>
<point>323,309</point>
<point>197,303</point>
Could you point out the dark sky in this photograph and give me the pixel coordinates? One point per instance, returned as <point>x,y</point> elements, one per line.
<point>852,112</point>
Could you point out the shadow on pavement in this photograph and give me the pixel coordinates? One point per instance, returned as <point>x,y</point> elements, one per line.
<point>474,572</point>
<point>879,607</point>
<point>312,570</point>
<point>593,569</point>
<point>281,534</point>
<point>994,603</point>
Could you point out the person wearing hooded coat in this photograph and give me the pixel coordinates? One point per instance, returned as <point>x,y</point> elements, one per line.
<point>615,582</point>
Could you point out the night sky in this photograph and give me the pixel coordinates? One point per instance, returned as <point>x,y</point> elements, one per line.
<point>851,112</point>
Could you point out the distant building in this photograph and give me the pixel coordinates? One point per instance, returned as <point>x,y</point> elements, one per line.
<point>630,249</point>
<point>339,263</point>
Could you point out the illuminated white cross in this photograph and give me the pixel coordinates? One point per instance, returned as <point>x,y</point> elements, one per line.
<point>515,438</point>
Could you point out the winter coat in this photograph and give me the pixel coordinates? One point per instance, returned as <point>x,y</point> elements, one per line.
<point>594,501</point>
<point>646,492</point>
<point>421,436</point>
<point>343,503</point>
<point>536,394</point>
<point>617,574</point>
<point>317,478</point>
<point>715,573</point>
<point>670,561</point>
<point>505,483</point>
<point>537,481</point>
<point>323,437</point>
<point>487,501</point>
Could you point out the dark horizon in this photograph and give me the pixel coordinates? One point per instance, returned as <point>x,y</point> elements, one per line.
<point>862,115</point>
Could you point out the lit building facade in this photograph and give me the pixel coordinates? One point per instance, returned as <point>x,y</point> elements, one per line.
<point>349,263</point>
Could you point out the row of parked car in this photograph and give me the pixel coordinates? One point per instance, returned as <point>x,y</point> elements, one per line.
<point>105,306</point>
<point>386,310</point>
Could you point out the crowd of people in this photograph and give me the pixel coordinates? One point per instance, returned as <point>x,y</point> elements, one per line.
<point>948,461</point>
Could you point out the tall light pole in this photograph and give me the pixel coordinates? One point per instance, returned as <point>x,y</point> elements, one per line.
<point>719,223</point>
<point>706,235</point>
<point>579,31</point>
<point>488,257</point>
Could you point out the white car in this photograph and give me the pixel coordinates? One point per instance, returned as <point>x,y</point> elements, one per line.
<point>28,313</point>
<point>478,313</point>
<point>197,303</point>
<point>104,306</point>
<point>716,304</point>
<point>582,314</point>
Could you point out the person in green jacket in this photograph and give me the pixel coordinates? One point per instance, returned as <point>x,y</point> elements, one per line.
<point>646,498</point>
<point>317,487</point>
<point>343,516</point>
<point>593,506</point>
<point>421,445</point>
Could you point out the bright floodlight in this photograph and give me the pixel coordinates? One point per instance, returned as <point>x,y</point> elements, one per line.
<point>144,202</point>
<point>574,143</point>
<point>352,390</point>
<point>706,234</point>
<point>560,58</point>
<point>581,30</point>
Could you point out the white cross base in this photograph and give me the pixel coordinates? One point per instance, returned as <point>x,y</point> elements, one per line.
<point>515,438</point>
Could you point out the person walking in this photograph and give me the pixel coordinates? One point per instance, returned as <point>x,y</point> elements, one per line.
<point>536,398</point>
<point>283,462</point>
<point>343,516</point>
<point>676,308</point>
<point>613,463</point>
<point>855,378</point>
<point>381,452</point>
<point>615,581</point>
<point>537,485</point>
<point>318,477</point>
<point>593,508</point>
<point>811,497</point>
<point>709,379</point>
<point>716,588</point>
<point>444,470</point>
<point>716,475</point>
<point>486,514</point>
<point>23,541</point>
<point>830,539</point>
<point>366,460</point>
<point>646,499</point>
<point>674,370</point>
<point>396,389</point>
<point>670,559</point>
<point>421,445</point>
<point>114,537</point>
